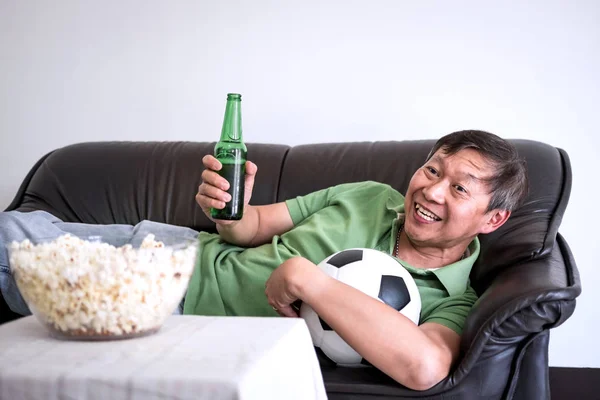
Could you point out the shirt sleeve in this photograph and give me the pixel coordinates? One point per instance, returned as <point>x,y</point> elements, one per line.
<point>303,207</point>
<point>452,311</point>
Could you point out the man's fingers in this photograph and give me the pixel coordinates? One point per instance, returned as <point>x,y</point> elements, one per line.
<point>213,192</point>
<point>287,311</point>
<point>211,162</point>
<point>208,202</point>
<point>214,179</point>
<point>251,168</point>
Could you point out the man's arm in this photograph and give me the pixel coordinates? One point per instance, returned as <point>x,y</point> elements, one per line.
<point>258,226</point>
<point>418,357</point>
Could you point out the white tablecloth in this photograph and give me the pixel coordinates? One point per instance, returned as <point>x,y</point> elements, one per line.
<point>189,358</point>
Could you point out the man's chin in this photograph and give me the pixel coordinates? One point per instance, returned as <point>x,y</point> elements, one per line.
<point>420,229</point>
<point>416,237</point>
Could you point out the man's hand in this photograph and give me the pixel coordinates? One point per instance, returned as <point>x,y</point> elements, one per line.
<point>283,286</point>
<point>212,192</point>
<point>259,223</point>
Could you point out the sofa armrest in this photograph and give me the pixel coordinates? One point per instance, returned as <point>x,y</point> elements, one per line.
<point>525,299</point>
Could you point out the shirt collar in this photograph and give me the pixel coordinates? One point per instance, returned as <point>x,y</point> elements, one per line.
<point>454,277</point>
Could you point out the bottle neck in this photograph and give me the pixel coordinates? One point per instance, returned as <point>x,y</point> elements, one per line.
<point>232,123</point>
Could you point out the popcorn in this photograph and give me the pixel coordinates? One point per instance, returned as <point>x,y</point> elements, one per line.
<point>83,288</point>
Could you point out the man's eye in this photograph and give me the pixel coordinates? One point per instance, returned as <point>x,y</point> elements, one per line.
<point>460,189</point>
<point>432,170</point>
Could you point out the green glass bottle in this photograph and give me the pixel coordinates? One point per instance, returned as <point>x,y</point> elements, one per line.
<point>231,151</point>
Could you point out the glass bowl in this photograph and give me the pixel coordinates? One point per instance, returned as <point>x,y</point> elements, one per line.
<point>87,289</point>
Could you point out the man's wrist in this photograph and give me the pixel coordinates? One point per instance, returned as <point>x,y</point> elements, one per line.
<point>307,280</point>
<point>237,232</point>
<point>226,230</point>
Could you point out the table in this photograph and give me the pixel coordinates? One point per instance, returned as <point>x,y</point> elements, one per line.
<point>191,357</point>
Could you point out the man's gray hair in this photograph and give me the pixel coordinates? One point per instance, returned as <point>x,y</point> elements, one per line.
<point>509,183</point>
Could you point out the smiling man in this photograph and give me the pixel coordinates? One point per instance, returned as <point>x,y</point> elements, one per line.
<point>469,184</point>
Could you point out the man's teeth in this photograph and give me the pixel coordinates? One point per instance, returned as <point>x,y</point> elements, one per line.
<point>428,215</point>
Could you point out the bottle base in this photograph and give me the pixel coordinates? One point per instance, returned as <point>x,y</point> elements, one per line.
<point>227,217</point>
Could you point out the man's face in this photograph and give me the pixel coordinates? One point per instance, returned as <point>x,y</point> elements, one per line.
<point>447,199</point>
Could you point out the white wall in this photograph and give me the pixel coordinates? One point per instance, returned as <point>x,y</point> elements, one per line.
<point>73,71</point>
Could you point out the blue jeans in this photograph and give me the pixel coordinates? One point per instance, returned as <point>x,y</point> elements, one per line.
<point>17,226</point>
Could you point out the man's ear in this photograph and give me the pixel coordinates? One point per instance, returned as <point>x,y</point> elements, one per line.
<point>497,218</point>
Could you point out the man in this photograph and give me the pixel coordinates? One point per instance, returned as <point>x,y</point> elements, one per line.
<point>469,185</point>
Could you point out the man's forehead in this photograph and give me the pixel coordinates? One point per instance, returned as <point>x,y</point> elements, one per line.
<point>472,163</point>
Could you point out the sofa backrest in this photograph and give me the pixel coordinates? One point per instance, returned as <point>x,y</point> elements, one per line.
<point>126,182</point>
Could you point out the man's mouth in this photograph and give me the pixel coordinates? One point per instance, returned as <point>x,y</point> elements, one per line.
<point>426,214</point>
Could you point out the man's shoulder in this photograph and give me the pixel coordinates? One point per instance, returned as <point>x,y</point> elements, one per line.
<point>364,187</point>
<point>367,196</point>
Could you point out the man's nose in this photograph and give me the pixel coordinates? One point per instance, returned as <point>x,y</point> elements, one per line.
<point>436,192</point>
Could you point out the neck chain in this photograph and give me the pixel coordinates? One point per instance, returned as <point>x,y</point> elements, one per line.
<point>397,246</point>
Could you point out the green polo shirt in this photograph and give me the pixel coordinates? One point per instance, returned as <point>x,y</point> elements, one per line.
<point>229,280</point>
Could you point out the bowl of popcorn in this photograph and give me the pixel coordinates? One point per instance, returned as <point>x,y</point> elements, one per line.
<point>87,289</point>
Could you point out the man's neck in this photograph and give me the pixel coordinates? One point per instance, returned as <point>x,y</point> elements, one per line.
<point>428,257</point>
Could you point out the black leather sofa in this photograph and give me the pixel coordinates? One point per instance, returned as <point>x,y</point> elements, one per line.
<point>526,275</point>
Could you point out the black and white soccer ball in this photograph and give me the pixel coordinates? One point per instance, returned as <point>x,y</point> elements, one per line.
<point>375,273</point>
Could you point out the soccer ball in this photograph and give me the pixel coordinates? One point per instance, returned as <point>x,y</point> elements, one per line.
<point>374,273</point>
